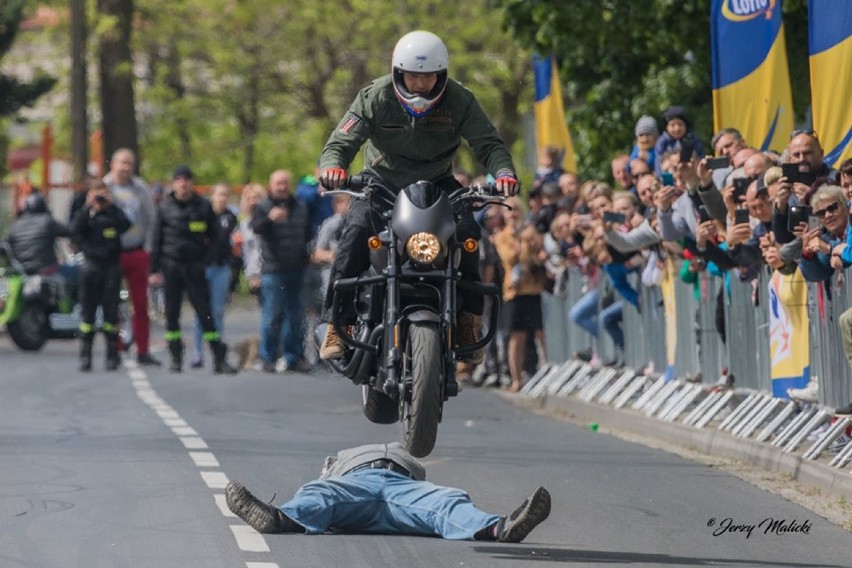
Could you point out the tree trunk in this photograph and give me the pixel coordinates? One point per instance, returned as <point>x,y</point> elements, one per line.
<point>116,74</point>
<point>79,122</point>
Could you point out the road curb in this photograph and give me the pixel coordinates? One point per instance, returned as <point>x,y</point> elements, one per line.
<point>709,441</point>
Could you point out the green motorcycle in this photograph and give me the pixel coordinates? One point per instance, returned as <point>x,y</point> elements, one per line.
<point>36,308</point>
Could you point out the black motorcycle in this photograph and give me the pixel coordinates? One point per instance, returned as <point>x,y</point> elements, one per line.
<point>402,351</point>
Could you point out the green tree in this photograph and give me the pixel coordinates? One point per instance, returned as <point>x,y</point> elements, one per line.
<point>253,86</point>
<point>623,59</point>
<point>14,93</point>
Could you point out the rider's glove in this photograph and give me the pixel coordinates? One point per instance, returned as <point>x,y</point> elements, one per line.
<point>507,183</point>
<point>332,178</point>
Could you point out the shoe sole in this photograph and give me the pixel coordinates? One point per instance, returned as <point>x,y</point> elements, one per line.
<point>247,507</point>
<point>536,511</point>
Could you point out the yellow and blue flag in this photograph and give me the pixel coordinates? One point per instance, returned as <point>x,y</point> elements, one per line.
<point>830,43</point>
<point>751,79</point>
<point>551,127</point>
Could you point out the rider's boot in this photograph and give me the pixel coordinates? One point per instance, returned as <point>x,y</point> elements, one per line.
<point>113,359</point>
<point>176,353</point>
<point>467,333</point>
<point>332,346</point>
<point>220,355</point>
<point>86,352</point>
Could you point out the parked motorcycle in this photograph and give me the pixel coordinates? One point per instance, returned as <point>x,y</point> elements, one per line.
<point>37,308</point>
<point>402,351</point>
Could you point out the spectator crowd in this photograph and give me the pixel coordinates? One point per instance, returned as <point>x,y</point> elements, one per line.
<point>732,212</point>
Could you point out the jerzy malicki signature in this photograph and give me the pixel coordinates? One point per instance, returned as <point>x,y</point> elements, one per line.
<point>767,526</point>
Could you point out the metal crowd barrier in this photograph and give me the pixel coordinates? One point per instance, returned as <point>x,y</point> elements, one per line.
<point>748,411</point>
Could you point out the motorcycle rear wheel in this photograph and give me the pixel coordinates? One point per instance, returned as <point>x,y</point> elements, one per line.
<point>29,330</point>
<point>422,413</point>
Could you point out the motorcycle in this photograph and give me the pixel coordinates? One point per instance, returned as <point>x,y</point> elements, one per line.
<point>36,308</point>
<point>402,351</point>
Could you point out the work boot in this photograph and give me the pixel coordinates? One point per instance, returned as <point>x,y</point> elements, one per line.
<point>176,353</point>
<point>262,517</point>
<point>467,333</point>
<point>332,345</point>
<point>86,352</point>
<point>220,356</point>
<point>525,518</point>
<point>113,359</point>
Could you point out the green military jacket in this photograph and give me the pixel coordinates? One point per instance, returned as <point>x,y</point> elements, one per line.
<point>402,149</point>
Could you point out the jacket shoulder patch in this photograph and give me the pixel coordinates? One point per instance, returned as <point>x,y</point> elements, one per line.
<point>351,122</point>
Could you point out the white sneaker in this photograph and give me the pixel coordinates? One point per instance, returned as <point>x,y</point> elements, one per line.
<point>808,394</point>
<point>819,432</point>
<point>838,444</point>
<point>280,365</point>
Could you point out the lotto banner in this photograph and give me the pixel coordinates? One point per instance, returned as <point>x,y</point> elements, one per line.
<point>830,43</point>
<point>789,342</point>
<point>670,305</point>
<point>551,127</point>
<point>751,80</point>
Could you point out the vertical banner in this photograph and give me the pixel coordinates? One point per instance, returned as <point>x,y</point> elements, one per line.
<point>751,79</point>
<point>830,47</point>
<point>670,306</point>
<point>789,342</point>
<point>551,127</point>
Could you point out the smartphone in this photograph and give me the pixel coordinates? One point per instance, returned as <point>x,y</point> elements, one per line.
<point>686,150</point>
<point>666,178</point>
<point>813,222</point>
<point>740,188</point>
<point>718,163</point>
<point>790,171</point>
<point>740,216</point>
<point>617,218</point>
<point>703,214</point>
<point>797,215</point>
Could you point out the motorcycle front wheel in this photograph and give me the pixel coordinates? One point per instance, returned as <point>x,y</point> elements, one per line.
<point>421,408</point>
<point>29,330</point>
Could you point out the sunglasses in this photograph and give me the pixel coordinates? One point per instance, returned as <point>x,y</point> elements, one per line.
<point>830,209</point>
<point>811,133</point>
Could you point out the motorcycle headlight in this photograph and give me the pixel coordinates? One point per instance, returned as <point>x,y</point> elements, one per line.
<point>423,248</point>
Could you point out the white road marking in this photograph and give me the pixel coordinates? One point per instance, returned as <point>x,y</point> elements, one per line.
<point>249,539</point>
<point>193,443</point>
<point>204,459</point>
<point>223,505</point>
<point>214,479</point>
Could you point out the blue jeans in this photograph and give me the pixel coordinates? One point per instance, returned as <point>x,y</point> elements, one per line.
<point>219,282</point>
<point>585,312</point>
<point>281,317</point>
<point>611,321</point>
<point>379,501</point>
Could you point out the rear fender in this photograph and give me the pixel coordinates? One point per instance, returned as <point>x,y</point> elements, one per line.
<point>14,300</point>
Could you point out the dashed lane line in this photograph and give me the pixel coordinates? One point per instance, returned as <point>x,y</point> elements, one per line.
<point>248,539</point>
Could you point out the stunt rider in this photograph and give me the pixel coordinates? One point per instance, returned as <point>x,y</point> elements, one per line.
<point>412,121</point>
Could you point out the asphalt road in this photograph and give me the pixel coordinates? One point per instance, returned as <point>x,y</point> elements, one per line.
<point>126,469</point>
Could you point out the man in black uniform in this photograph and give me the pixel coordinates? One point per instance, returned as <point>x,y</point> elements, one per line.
<point>97,227</point>
<point>185,228</point>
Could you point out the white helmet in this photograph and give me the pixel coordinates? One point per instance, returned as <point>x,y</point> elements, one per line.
<point>419,52</point>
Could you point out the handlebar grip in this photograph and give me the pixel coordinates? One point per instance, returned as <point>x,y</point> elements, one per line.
<point>356,182</point>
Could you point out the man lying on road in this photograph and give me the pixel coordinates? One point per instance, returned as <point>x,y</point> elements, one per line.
<point>382,489</point>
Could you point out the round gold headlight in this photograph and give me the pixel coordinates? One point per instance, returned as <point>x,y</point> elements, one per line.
<point>423,248</point>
